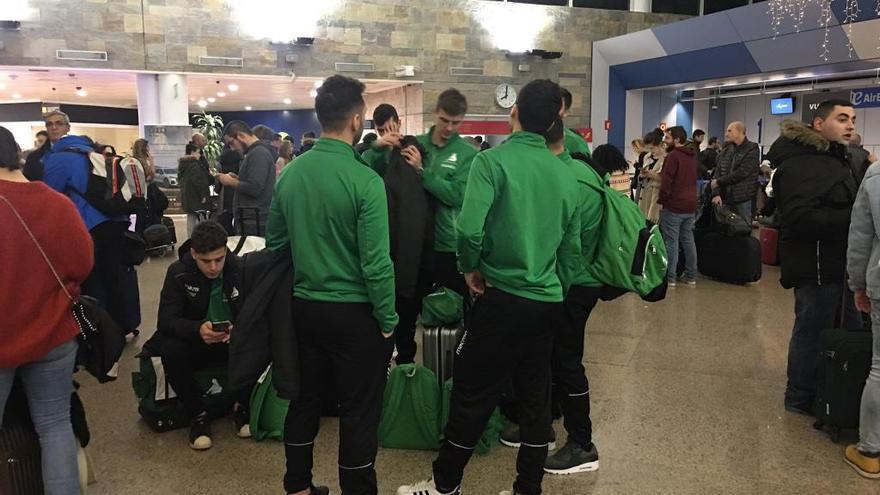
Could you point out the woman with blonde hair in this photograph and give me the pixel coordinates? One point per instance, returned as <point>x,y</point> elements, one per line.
<point>285,156</point>
<point>141,150</point>
<point>650,176</point>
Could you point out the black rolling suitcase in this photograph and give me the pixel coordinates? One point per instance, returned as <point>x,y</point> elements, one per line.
<point>843,370</point>
<point>169,224</point>
<point>131,296</point>
<point>736,260</point>
<point>438,350</point>
<point>20,464</point>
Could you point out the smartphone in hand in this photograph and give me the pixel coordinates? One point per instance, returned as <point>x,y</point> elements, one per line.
<point>221,326</point>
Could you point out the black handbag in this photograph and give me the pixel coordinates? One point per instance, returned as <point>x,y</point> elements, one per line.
<point>101,341</point>
<point>729,223</point>
<point>135,251</point>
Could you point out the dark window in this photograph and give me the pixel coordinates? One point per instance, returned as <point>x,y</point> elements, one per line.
<point>686,7</point>
<point>712,6</point>
<point>542,2</point>
<point>603,4</point>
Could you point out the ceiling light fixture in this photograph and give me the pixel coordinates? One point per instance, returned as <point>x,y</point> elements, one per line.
<point>288,101</point>
<point>288,22</point>
<point>221,94</point>
<point>2,86</point>
<point>81,92</point>
<point>318,84</point>
<point>313,93</point>
<point>211,99</point>
<point>248,108</point>
<point>233,87</point>
<point>202,103</point>
<point>17,96</point>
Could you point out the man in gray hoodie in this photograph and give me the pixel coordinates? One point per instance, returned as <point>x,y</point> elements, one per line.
<point>255,181</point>
<point>863,267</point>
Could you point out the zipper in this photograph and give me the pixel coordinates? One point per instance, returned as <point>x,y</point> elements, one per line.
<point>818,264</point>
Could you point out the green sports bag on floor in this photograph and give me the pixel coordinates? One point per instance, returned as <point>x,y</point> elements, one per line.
<point>493,428</point>
<point>411,409</point>
<point>268,411</point>
<point>158,404</point>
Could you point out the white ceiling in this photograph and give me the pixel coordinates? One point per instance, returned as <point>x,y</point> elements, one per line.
<point>119,89</point>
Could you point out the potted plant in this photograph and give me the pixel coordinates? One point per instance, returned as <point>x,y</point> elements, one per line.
<point>211,126</point>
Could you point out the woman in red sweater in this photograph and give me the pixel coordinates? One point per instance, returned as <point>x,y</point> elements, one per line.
<point>37,330</point>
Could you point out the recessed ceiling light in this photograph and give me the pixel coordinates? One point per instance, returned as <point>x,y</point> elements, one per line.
<point>221,94</point>
<point>81,92</point>
<point>17,96</point>
<point>202,103</point>
<point>248,108</point>
<point>211,99</point>
<point>313,93</point>
<point>2,86</point>
<point>318,84</point>
<point>287,101</point>
<point>233,87</point>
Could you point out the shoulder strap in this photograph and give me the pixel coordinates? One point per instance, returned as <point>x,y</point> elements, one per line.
<point>40,248</point>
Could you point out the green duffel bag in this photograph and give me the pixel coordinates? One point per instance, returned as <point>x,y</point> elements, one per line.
<point>158,404</point>
<point>491,434</point>
<point>268,411</point>
<point>411,409</point>
<point>443,307</point>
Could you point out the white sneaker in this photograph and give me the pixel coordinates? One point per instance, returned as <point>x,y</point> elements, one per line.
<point>425,487</point>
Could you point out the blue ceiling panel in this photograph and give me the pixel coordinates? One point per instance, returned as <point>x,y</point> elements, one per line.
<point>685,67</point>
<point>800,50</point>
<point>753,22</point>
<point>696,33</point>
<point>867,10</point>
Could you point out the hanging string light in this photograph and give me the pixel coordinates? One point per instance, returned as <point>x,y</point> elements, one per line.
<point>852,12</point>
<point>825,22</point>
<point>795,11</point>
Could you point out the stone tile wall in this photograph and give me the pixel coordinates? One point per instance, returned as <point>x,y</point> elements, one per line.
<point>433,35</point>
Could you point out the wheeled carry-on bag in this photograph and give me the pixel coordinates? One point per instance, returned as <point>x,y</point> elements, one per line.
<point>438,350</point>
<point>843,370</point>
<point>736,260</point>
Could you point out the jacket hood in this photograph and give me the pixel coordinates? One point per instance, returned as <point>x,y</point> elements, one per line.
<point>81,143</point>
<point>687,150</point>
<point>796,138</point>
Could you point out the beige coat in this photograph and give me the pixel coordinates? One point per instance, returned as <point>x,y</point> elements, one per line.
<point>650,195</point>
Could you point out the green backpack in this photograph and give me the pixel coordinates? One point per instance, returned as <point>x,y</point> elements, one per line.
<point>268,411</point>
<point>631,255</point>
<point>442,308</point>
<point>411,409</point>
<point>493,428</point>
<point>159,406</point>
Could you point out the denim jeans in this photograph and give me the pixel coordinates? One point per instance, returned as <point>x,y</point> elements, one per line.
<point>48,384</point>
<point>679,227</point>
<point>869,419</point>
<point>815,309</point>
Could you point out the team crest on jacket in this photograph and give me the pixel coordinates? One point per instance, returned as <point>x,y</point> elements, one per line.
<point>192,290</point>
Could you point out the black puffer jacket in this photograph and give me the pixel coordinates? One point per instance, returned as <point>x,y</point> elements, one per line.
<point>814,189</point>
<point>195,184</point>
<point>737,172</point>
<point>185,297</point>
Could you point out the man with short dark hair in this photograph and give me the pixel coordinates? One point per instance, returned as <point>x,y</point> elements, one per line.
<point>39,142</point>
<point>736,178</point>
<point>197,310</point>
<point>254,182</point>
<point>387,125</point>
<point>521,279</point>
<point>574,142</point>
<point>343,294</point>
<point>678,195</point>
<point>814,190</point>
<point>306,142</point>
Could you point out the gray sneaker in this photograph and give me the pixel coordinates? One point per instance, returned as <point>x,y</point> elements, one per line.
<point>571,459</point>
<point>510,437</point>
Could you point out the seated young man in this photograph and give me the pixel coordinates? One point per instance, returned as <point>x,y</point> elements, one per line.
<point>196,308</point>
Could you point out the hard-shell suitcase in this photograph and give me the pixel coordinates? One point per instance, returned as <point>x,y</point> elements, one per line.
<point>736,260</point>
<point>438,350</point>
<point>169,224</point>
<point>843,370</point>
<point>769,245</point>
<point>20,464</point>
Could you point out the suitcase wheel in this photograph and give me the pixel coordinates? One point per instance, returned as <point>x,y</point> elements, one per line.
<point>818,425</point>
<point>835,434</point>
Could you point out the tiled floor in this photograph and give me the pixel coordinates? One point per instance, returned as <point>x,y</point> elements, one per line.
<point>687,399</point>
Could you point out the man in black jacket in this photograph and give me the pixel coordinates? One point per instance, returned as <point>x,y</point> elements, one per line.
<point>814,189</point>
<point>859,158</point>
<point>196,309</point>
<point>736,177</point>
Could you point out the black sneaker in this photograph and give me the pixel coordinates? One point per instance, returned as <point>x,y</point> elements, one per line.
<point>510,437</point>
<point>805,409</point>
<point>242,419</point>
<point>200,432</point>
<point>571,459</point>
<point>319,490</point>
